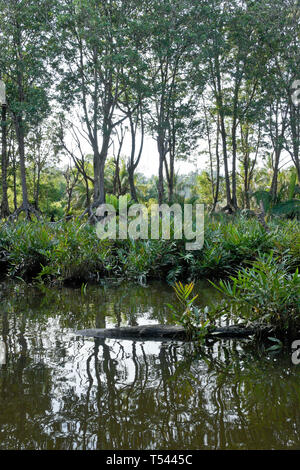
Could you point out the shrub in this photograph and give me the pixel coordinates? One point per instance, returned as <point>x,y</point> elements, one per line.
<point>77,255</point>
<point>28,247</point>
<point>265,294</point>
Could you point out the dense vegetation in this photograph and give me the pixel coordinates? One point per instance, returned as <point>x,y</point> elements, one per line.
<point>71,252</point>
<point>89,81</point>
<point>211,82</point>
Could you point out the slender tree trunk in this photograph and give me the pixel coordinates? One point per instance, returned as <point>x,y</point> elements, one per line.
<point>14,178</point>
<point>117,183</point>
<point>21,145</point>
<point>246,185</point>
<point>274,184</point>
<point>219,97</point>
<point>87,192</point>
<point>233,137</point>
<point>225,159</point>
<point>295,132</point>
<point>171,184</point>
<point>99,194</point>
<point>101,182</point>
<point>4,202</point>
<point>161,153</point>
<point>234,155</point>
<point>99,165</point>
<point>170,175</point>
<point>96,163</point>
<point>246,165</point>
<point>132,185</point>
<point>37,191</point>
<point>278,143</point>
<point>117,187</point>
<point>217,188</point>
<point>214,184</point>
<point>160,181</point>
<point>134,161</point>
<point>69,201</point>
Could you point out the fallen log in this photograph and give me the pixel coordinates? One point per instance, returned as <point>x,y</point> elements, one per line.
<point>161,332</point>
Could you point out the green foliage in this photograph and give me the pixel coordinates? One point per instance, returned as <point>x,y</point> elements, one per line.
<point>77,254</point>
<point>61,252</point>
<point>290,207</point>
<point>116,201</point>
<point>228,245</point>
<point>71,251</point>
<point>266,294</point>
<point>141,260</point>
<point>28,247</point>
<point>287,208</point>
<point>195,321</point>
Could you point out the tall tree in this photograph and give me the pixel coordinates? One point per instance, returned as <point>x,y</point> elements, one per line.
<point>4,156</point>
<point>24,40</point>
<point>96,51</point>
<point>171,108</point>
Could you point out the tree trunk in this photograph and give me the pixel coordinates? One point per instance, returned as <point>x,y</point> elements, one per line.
<point>134,161</point>
<point>225,158</point>
<point>117,183</point>
<point>170,177</point>
<point>170,189</point>
<point>21,145</point>
<point>219,94</point>
<point>99,165</point>
<point>37,192</point>
<point>160,186</point>
<point>132,185</point>
<point>101,182</point>
<point>15,178</point>
<point>87,192</point>
<point>295,132</point>
<point>4,202</point>
<point>274,184</point>
<point>217,188</point>
<point>234,154</point>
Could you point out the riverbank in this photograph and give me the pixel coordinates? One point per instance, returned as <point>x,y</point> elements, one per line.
<point>255,270</point>
<point>69,253</point>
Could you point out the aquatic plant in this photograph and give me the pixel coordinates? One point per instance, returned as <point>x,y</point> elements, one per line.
<point>265,294</point>
<point>194,320</point>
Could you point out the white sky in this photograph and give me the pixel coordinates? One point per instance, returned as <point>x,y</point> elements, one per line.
<point>149,161</point>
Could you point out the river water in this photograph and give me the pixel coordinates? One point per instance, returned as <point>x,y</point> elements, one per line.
<point>61,391</point>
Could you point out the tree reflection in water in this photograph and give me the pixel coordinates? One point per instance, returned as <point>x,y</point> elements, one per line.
<point>62,392</point>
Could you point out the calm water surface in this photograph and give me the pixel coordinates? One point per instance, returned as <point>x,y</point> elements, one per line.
<point>59,391</point>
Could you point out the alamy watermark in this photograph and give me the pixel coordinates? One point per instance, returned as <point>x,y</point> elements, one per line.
<point>296,352</point>
<point>159,222</point>
<point>296,92</point>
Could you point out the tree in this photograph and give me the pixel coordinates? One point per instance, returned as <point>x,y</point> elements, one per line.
<point>96,50</point>
<point>24,40</point>
<point>171,105</point>
<point>4,156</point>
